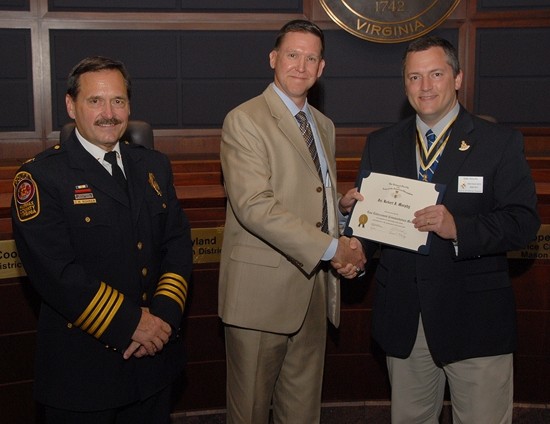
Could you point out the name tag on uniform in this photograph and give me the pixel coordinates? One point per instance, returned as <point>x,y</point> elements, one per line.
<point>470,184</point>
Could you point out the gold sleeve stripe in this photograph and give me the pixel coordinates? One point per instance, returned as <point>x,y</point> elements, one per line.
<point>171,296</point>
<point>104,311</point>
<point>92,316</point>
<point>171,275</point>
<point>102,288</point>
<point>101,310</point>
<point>110,317</point>
<point>174,290</point>
<point>174,280</point>
<point>173,286</point>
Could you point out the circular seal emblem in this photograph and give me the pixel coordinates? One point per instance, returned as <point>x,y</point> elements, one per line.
<point>389,21</point>
<point>25,191</point>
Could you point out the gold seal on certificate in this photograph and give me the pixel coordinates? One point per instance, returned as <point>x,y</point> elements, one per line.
<point>387,212</point>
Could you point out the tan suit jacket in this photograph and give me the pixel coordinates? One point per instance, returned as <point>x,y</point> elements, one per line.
<point>272,243</point>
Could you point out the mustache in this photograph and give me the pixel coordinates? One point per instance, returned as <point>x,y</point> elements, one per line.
<point>110,121</point>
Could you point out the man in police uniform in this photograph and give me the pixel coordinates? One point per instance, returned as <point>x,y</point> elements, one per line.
<point>108,248</point>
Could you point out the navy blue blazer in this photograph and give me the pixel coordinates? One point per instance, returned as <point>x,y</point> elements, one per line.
<point>466,299</point>
<point>96,256</point>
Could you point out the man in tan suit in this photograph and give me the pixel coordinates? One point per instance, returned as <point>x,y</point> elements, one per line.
<point>276,286</point>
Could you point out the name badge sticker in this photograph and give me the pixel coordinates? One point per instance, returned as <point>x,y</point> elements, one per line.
<point>470,184</point>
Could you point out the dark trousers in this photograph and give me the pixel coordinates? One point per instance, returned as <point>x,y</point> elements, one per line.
<point>154,410</point>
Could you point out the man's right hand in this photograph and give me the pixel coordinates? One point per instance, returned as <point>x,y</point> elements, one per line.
<point>150,336</point>
<point>349,259</point>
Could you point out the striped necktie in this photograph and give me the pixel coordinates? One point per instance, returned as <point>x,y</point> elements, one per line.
<point>305,129</point>
<point>426,173</point>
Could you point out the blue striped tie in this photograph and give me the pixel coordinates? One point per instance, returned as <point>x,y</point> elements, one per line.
<point>429,173</point>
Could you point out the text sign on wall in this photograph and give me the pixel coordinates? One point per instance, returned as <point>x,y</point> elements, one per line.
<point>10,265</point>
<point>537,249</point>
<point>207,248</point>
<point>207,244</point>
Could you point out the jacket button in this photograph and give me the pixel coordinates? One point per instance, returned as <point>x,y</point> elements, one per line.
<point>319,225</point>
<point>88,219</point>
<point>140,245</point>
<point>319,189</point>
<point>144,272</point>
<point>144,297</point>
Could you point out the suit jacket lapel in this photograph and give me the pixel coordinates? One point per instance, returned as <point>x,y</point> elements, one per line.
<point>456,152</point>
<point>327,149</point>
<point>287,124</point>
<point>404,151</point>
<point>93,171</point>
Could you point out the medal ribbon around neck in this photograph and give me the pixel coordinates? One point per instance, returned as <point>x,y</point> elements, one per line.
<point>428,157</point>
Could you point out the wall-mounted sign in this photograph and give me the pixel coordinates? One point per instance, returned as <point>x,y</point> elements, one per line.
<point>538,248</point>
<point>389,21</point>
<point>10,265</point>
<point>207,244</point>
<point>207,248</point>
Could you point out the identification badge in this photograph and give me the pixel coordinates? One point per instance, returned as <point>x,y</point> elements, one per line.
<point>27,199</point>
<point>470,184</point>
<point>83,195</point>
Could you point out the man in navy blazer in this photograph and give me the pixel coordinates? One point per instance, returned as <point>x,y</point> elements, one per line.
<point>449,315</point>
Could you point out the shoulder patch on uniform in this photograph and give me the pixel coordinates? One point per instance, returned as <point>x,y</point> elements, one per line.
<point>26,196</point>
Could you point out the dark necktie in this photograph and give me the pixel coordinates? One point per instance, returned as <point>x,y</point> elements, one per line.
<point>305,128</point>
<point>117,173</point>
<point>426,172</point>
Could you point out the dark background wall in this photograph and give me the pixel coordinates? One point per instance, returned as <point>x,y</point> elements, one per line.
<point>191,62</point>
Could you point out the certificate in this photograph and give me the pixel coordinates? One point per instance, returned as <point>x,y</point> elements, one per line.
<point>386,213</point>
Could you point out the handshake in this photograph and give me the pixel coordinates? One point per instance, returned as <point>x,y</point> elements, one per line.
<point>349,260</point>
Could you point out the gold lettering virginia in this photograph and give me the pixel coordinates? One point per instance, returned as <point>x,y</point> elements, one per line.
<point>404,29</point>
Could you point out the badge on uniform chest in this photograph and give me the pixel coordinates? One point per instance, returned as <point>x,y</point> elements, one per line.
<point>153,183</point>
<point>83,195</point>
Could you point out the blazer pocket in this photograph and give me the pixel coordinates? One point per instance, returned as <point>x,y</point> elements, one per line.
<point>487,281</point>
<point>256,256</point>
<point>488,273</point>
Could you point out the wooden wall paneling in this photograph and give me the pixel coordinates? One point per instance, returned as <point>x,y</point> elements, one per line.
<point>14,5</point>
<point>16,80</point>
<point>356,70</point>
<point>20,315</point>
<point>509,84</point>
<point>180,79</point>
<point>17,350</point>
<point>492,5</point>
<point>194,6</point>
<point>16,403</point>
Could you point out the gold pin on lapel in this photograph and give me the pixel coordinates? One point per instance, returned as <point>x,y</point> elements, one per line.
<point>154,184</point>
<point>463,146</point>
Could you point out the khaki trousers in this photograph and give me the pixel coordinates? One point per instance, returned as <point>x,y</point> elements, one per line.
<point>286,370</point>
<point>481,388</point>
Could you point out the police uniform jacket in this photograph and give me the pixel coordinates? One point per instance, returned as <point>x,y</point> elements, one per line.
<point>465,297</point>
<point>96,256</point>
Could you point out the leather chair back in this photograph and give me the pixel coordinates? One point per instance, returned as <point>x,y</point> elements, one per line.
<point>139,132</point>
